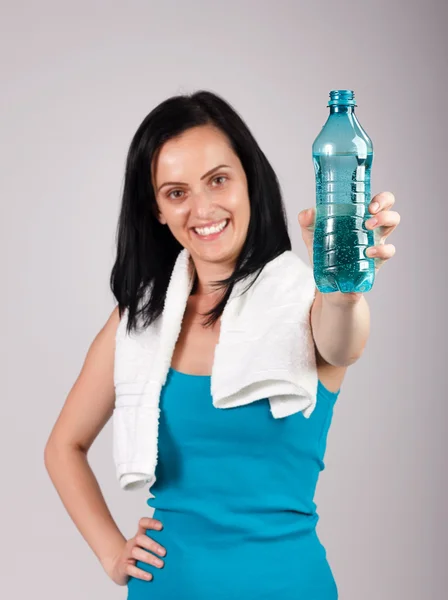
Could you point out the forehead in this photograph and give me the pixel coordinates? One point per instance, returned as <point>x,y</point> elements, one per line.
<point>193,153</point>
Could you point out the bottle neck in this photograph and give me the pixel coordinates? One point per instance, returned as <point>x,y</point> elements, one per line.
<point>347,110</point>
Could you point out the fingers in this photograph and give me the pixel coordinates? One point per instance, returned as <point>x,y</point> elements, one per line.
<point>383,251</point>
<point>146,523</point>
<point>149,523</point>
<point>145,548</point>
<point>306,218</point>
<point>387,218</point>
<point>134,571</point>
<point>383,224</point>
<point>145,556</point>
<point>382,201</point>
<point>146,542</point>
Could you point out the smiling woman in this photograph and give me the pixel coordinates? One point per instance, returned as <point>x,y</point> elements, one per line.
<point>213,192</point>
<point>234,509</point>
<point>205,168</point>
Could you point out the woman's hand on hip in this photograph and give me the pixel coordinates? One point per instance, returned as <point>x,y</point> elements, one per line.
<point>140,547</point>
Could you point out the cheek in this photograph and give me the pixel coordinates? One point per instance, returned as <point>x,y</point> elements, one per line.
<point>242,210</point>
<point>238,203</point>
<point>176,214</point>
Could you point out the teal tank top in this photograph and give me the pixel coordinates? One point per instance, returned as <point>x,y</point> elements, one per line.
<point>234,492</point>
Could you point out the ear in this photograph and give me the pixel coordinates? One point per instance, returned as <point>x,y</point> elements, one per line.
<point>158,215</point>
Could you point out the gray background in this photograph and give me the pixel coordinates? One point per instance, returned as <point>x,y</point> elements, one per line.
<point>77,78</point>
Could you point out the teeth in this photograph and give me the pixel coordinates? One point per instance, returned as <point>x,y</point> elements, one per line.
<point>209,230</point>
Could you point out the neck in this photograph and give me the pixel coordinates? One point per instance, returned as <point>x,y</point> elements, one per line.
<point>348,110</point>
<point>207,273</point>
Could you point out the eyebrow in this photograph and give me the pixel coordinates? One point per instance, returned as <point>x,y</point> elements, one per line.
<point>203,177</point>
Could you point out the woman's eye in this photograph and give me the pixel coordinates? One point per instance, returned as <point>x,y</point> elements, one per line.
<point>170,195</point>
<point>220,177</point>
<point>173,192</point>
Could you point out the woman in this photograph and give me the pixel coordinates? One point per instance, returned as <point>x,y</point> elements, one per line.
<point>196,179</point>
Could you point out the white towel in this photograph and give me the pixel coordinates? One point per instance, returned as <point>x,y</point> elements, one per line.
<point>265,350</point>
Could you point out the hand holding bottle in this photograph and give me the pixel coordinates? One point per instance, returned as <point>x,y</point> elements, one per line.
<point>386,222</point>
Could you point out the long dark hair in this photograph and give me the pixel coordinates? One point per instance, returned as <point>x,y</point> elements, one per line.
<point>147,250</point>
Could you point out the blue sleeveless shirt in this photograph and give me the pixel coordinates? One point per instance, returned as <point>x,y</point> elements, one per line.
<point>234,492</point>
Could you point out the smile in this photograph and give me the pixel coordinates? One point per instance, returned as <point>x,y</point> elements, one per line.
<point>211,233</point>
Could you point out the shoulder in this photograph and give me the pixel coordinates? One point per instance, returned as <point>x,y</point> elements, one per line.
<point>113,321</point>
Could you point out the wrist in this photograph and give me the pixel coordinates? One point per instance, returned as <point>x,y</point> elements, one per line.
<point>109,560</point>
<point>342,301</point>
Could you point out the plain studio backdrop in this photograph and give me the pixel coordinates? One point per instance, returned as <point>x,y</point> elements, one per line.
<point>77,78</point>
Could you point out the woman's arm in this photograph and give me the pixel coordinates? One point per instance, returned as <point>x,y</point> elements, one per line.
<point>87,409</point>
<point>341,326</point>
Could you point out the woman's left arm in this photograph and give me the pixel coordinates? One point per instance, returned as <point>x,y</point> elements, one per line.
<point>341,322</point>
<point>340,330</point>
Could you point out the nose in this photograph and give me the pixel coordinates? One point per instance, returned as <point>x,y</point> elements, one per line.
<point>201,204</point>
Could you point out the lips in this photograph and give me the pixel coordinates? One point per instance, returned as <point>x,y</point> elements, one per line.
<point>210,223</point>
<point>211,236</point>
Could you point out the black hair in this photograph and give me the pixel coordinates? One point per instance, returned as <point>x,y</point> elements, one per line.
<point>147,250</point>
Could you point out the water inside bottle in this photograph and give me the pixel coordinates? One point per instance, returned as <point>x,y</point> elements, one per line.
<point>340,236</point>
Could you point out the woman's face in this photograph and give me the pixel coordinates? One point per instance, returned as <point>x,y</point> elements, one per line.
<point>199,181</point>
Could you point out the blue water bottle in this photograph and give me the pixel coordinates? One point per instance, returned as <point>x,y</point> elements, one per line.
<point>342,157</point>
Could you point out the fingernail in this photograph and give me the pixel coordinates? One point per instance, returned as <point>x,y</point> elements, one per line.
<point>374,206</point>
<point>372,222</point>
<point>372,251</point>
<point>161,551</point>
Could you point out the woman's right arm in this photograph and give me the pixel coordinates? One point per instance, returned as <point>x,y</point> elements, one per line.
<point>88,407</point>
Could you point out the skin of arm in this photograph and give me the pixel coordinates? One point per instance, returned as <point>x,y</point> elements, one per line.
<point>88,407</point>
<point>341,326</point>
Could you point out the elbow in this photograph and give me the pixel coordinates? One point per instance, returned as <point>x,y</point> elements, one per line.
<point>341,360</point>
<point>50,454</point>
<point>49,457</point>
<point>351,360</point>
<point>55,451</point>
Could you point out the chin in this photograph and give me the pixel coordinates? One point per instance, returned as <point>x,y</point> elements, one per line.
<point>214,255</point>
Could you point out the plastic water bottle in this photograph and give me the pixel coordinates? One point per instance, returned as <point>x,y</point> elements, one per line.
<point>342,157</point>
